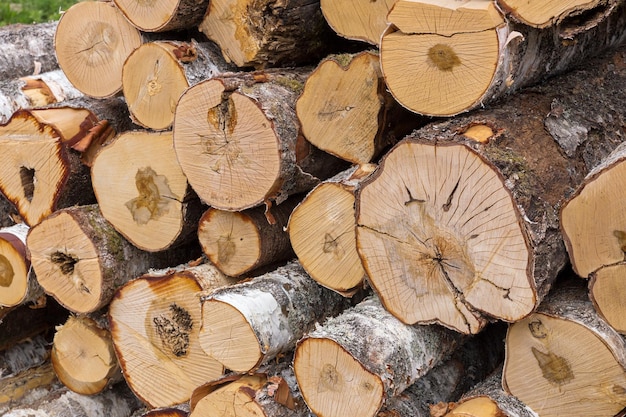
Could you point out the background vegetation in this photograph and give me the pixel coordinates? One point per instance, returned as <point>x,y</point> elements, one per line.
<point>32,11</point>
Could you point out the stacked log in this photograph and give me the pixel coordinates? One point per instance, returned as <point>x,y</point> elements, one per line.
<point>378,257</point>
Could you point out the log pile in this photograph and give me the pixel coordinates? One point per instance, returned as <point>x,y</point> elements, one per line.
<point>296,208</point>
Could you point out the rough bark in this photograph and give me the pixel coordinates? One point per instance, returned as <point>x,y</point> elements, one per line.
<point>142,191</point>
<point>346,110</point>
<point>154,322</point>
<point>239,243</point>
<point>81,260</point>
<point>564,352</point>
<point>322,232</point>
<point>468,54</point>
<point>17,390</point>
<point>156,74</point>
<point>248,324</point>
<point>20,357</point>
<point>155,17</point>
<point>538,146</point>
<point>356,362</point>
<point>237,140</point>
<point>268,33</point>
<point>26,50</point>
<point>357,20</point>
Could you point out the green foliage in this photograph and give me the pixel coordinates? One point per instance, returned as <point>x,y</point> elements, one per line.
<point>32,11</point>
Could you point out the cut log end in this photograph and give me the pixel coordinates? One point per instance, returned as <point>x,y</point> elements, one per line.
<point>545,14</point>
<point>606,291</point>
<point>361,21</point>
<point>227,336</point>
<point>14,266</point>
<point>160,16</point>
<point>333,382</point>
<point>232,399</point>
<point>441,238</point>
<point>92,41</point>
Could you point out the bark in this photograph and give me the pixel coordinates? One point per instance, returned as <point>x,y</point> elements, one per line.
<point>151,17</point>
<point>30,353</point>
<point>322,232</point>
<point>453,43</point>
<point>81,260</point>
<point>346,110</point>
<point>268,33</point>
<point>16,391</point>
<point>34,91</point>
<point>156,74</point>
<point>361,21</point>
<point>155,322</point>
<point>538,146</point>
<point>239,243</point>
<point>564,352</point>
<point>8,213</point>
<point>469,365</point>
<point>83,356</point>
<point>247,325</point>
<point>356,362</point>
<point>92,41</point>
<point>18,284</point>
<point>143,192</point>
<point>237,140</point>
<point>26,50</point>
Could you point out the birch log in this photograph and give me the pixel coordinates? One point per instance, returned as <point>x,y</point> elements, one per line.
<point>26,50</point>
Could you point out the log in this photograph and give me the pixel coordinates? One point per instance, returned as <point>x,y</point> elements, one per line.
<point>143,192</point>
<point>8,213</point>
<point>116,402</point>
<point>605,292</point>
<point>486,399</point>
<point>248,324</point>
<point>565,352</point>
<point>476,199</point>
<point>346,110</point>
<point>156,73</point>
<point>83,356</point>
<point>271,391</point>
<point>34,91</point>
<point>155,322</point>
<point>236,138</point>
<point>18,284</point>
<point>81,260</point>
<point>557,12</point>
<point>30,353</point>
<point>356,362</point>
<point>323,235</point>
<point>268,33</point>
<point>26,50</point>
<point>41,172</point>
<point>158,17</point>
<point>360,21</point>
<point>465,55</point>
<point>242,242</point>
<point>92,41</point>
<point>17,390</point>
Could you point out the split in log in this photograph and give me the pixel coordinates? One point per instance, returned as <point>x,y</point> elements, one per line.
<point>323,235</point>
<point>357,20</point>
<point>242,242</point>
<point>163,16</point>
<point>154,322</point>
<point>470,364</point>
<point>565,352</point>
<point>355,362</point>
<point>83,357</point>
<point>60,402</point>
<point>446,57</point>
<point>18,284</point>
<point>246,325</point>
<point>92,41</point>
<point>156,73</point>
<point>545,14</point>
<point>444,195</point>
<point>486,399</point>
<point>237,140</point>
<point>594,240</point>
<point>268,33</point>
<point>269,392</point>
<point>41,172</point>
<point>143,192</point>
<point>81,260</point>
<point>34,91</point>
<point>345,109</point>
<point>26,50</point>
